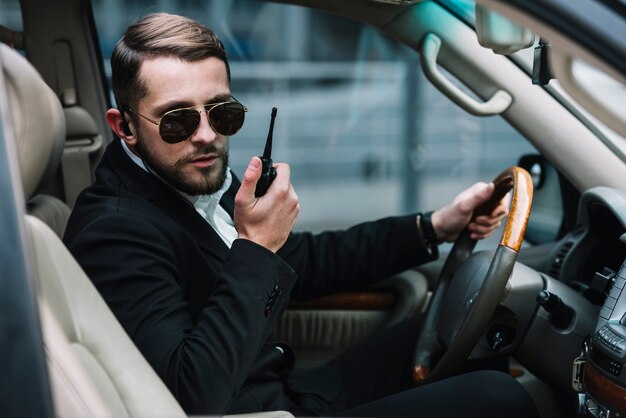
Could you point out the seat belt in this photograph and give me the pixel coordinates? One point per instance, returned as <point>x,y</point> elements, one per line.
<point>83,139</point>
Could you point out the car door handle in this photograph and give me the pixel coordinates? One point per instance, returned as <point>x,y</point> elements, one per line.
<point>498,103</point>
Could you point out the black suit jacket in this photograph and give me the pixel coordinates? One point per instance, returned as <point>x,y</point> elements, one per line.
<point>203,314</point>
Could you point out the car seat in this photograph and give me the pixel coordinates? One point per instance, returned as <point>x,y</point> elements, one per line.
<point>39,119</point>
<point>95,370</point>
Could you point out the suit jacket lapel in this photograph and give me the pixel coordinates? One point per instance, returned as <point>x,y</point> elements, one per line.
<point>177,207</point>
<point>167,200</point>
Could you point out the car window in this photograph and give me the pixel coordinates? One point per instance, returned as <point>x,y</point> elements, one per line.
<point>602,85</point>
<point>11,24</point>
<point>365,134</point>
<point>11,16</point>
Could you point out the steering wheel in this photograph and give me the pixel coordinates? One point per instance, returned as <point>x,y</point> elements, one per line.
<point>456,335</point>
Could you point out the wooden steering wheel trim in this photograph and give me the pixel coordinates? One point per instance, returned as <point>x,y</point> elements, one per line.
<point>519,181</point>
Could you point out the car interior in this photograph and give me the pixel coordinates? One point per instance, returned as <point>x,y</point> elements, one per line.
<point>545,292</point>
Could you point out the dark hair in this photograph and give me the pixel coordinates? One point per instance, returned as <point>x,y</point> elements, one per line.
<point>159,34</point>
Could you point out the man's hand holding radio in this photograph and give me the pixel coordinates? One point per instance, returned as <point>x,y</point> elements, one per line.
<point>266,220</point>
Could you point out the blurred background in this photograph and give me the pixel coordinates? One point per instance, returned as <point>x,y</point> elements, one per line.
<point>365,134</point>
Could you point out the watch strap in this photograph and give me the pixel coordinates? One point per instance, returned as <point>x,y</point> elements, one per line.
<point>427,232</point>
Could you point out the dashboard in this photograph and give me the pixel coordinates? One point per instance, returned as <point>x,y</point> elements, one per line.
<point>595,245</point>
<point>591,260</point>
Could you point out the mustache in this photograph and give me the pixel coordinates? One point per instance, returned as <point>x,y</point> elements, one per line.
<point>202,151</point>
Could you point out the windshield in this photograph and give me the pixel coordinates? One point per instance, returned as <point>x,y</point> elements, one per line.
<point>603,87</point>
<point>606,88</point>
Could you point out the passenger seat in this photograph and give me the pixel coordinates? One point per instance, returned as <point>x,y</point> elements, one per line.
<point>41,156</point>
<point>95,369</point>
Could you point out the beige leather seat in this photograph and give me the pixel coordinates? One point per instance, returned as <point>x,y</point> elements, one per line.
<point>45,154</point>
<point>95,369</point>
<point>39,118</point>
<point>52,211</point>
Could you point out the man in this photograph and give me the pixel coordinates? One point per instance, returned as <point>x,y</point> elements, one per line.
<point>197,269</point>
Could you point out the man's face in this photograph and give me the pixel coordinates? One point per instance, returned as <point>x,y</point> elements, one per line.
<point>197,165</point>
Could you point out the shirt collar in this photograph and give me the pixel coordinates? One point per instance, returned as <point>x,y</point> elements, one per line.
<point>209,202</point>
<point>133,156</point>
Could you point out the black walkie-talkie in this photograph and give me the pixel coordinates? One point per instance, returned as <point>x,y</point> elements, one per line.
<point>268,171</point>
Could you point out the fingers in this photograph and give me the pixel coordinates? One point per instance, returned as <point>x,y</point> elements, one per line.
<point>480,231</point>
<point>474,196</point>
<point>266,220</point>
<point>499,213</point>
<point>455,217</point>
<point>245,195</point>
<point>485,225</point>
<point>281,190</point>
<point>282,182</point>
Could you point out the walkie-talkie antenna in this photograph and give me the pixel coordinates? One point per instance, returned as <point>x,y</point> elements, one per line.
<point>267,153</point>
<point>268,172</point>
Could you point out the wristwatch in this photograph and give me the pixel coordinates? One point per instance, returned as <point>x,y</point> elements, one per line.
<point>427,233</point>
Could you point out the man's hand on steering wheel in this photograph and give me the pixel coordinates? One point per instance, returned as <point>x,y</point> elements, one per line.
<point>450,220</point>
<point>470,288</point>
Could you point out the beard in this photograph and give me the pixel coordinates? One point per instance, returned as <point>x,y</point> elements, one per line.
<point>213,177</point>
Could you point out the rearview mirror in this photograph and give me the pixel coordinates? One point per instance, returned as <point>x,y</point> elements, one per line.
<point>500,34</point>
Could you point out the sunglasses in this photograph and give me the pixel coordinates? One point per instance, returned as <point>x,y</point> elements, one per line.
<point>178,125</point>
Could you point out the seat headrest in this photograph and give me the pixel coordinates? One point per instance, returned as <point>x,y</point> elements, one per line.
<point>38,120</point>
